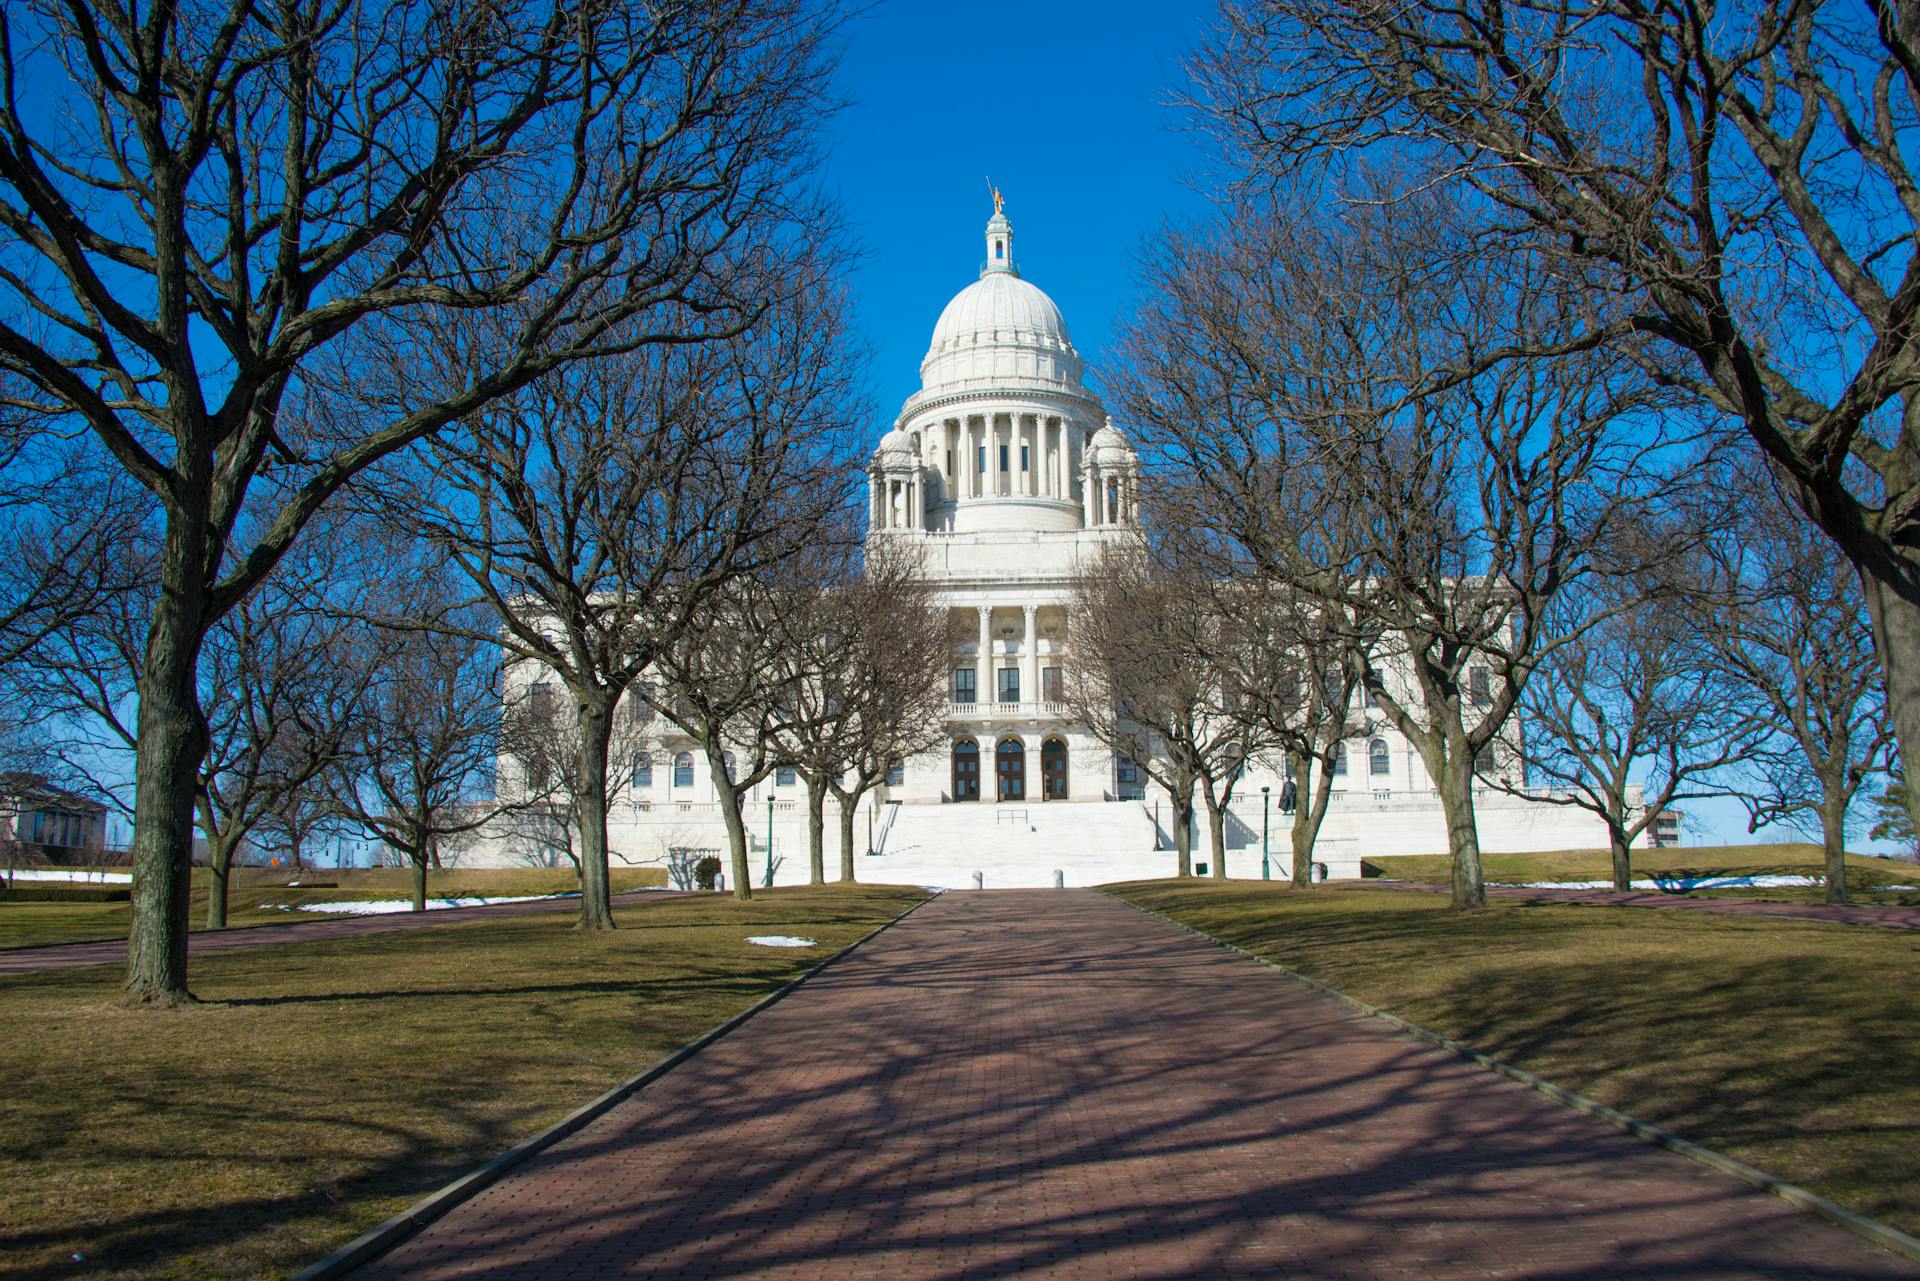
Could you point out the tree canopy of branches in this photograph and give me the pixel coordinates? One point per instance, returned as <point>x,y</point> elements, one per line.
<point>1632,696</point>
<point>230,214</point>
<point>1794,639</point>
<point>866,662</point>
<point>1150,670</point>
<point>602,509</point>
<point>1329,380</point>
<point>422,751</point>
<point>1740,179</point>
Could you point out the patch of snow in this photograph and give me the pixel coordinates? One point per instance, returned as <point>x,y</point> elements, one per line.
<point>387,906</point>
<point>781,940</point>
<point>63,874</point>
<point>1678,884</point>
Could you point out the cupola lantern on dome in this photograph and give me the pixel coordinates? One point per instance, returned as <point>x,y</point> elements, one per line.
<point>999,239</point>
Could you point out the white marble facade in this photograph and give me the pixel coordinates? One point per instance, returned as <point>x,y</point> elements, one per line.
<point>1008,475</point>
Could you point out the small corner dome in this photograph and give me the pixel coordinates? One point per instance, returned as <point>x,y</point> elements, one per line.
<point>1109,446</point>
<point>896,448</point>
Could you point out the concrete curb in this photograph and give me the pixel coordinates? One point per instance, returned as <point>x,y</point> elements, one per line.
<point>382,1237</point>
<point>1881,1234</point>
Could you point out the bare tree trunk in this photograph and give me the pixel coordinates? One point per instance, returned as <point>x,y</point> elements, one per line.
<point>172,737</point>
<point>849,815</point>
<point>1307,817</point>
<point>1455,782</point>
<point>1183,831</point>
<point>1622,856</point>
<point>219,873</point>
<point>590,789</point>
<point>418,857</point>
<point>1833,843</point>
<point>1896,636</point>
<point>737,861</point>
<point>1216,833</point>
<point>816,831</point>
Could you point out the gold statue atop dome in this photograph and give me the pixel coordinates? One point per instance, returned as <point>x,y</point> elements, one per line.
<point>999,201</point>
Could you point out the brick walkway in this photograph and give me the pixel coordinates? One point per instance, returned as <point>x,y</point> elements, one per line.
<point>67,956</point>
<point>1888,918</point>
<point>1052,1084</point>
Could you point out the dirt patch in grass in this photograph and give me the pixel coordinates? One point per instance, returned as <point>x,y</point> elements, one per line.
<point>261,896</point>
<point>324,1086</point>
<point>1792,1046</point>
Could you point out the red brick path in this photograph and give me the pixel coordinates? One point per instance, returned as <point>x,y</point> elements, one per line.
<point>1053,1084</point>
<point>1890,918</point>
<point>66,956</point>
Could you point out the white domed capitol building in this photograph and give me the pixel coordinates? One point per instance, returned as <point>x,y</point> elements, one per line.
<point>1009,476</point>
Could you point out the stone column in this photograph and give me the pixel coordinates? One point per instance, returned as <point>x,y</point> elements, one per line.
<point>873,500</point>
<point>984,691</point>
<point>1036,458</point>
<point>1090,499</point>
<point>1030,658</point>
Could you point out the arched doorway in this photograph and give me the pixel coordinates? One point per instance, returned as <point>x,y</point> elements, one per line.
<point>1053,770</point>
<point>1010,770</point>
<point>966,770</point>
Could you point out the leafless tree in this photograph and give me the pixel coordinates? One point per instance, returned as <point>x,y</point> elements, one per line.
<point>1149,670</point>
<point>600,509</point>
<point>1796,642</point>
<point>238,215</point>
<point>286,676</point>
<point>1322,376</point>
<point>867,666</point>
<point>1740,182</point>
<point>1301,664</point>
<point>539,801</point>
<point>424,747</point>
<point>282,674</point>
<point>1630,696</point>
<point>729,682</point>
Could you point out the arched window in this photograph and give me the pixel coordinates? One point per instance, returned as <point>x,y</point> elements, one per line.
<point>783,776</point>
<point>683,770</point>
<point>643,770</point>
<point>1339,760</point>
<point>1379,761</point>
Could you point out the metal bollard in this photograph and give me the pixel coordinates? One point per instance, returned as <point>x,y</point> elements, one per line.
<point>979,881</point>
<point>1059,879</point>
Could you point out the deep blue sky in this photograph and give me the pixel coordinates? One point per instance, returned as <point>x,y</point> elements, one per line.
<point>1062,103</point>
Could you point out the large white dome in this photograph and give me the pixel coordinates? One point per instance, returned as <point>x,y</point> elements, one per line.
<point>1000,331</point>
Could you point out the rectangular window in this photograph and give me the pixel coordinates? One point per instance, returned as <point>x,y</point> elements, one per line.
<point>1050,684</point>
<point>540,700</point>
<point>1129,784</point>
<point>783,776</point>
<point>949,462</point>
<point>1025,465</point>
<point>643,772</point>
<point>1479,687</point>
<point>963,685</point>
<point>1009,684</point>
<point>896,774</point>
<point>1003,458</point>
<point>983,457</point>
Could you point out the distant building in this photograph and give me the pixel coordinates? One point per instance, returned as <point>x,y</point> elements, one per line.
<point>1005,472</point>
<point>1664,831</point>
<point>49,822</point>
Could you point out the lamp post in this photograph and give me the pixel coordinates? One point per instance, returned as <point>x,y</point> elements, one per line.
<point>1266,808</point>
<point>767,881</point>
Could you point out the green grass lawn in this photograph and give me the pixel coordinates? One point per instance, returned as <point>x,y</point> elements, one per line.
<point>1794,1046</point>
<point>324,1086</point>
<point>260,896</point>
<point>1789,859</point>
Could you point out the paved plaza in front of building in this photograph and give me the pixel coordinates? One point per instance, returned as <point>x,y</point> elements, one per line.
<point>1054,1084</point>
